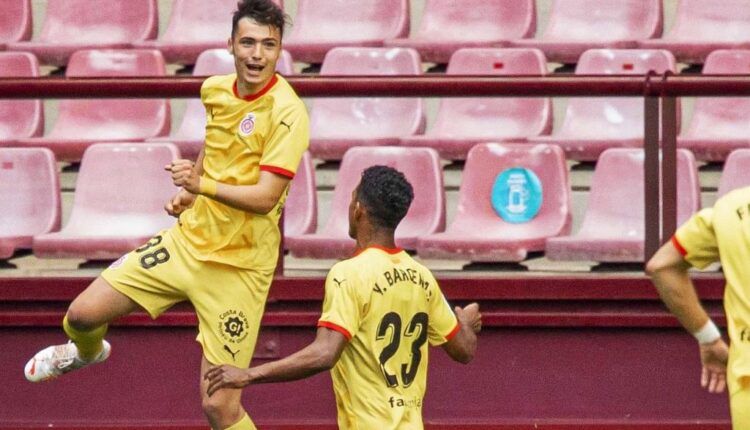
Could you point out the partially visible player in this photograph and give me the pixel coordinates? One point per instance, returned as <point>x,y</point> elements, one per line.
<point>381,308</point>
<point>222,252</point>
<point>718,234</point>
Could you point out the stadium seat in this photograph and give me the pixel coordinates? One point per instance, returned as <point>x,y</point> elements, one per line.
<point>118,204</point>
<point>592,125</point>
<point>448,25</point>
<point>701,27</point>
<point>736,172</point>
<point>479,232</point>
<point>28,179</point>
<point>613,226</point>
<point>719,124</point>
<point>321,25</point>
<point>83,122</point>
<point>194,26</point>
<point>15,21</point>
<point>73,25</point>
<point>301,207</point>
<point>576,26</point>
<point>426,215</point>
<point>337,124</point>
<point>463,122</point>
<point>19,118</point>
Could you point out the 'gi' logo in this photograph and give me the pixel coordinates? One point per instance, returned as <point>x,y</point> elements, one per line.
<point>247,125</point>
<point>233,326</point>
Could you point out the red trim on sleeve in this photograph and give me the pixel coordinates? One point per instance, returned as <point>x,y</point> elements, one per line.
<point>251,97</point>
<point>335,327</point>
<point>278,170</point>
<point>681,249</point>
<point>453,332</point>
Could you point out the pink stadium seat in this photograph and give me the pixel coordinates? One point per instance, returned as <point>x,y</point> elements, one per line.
<point>719,125</point>
<point>426,215</point>
<point>592,125</point>
<point>194,26</point>
<point>613,227</point>
<point>321,25</point>
<point>337,124</point>
<point>72,25</point>
<point>478,233</point>
<point>736,173</point>
<point>702,26</point>
<point>448,25</point>
<point>83,122</point>
<point>463,122</point>
<point>28,179</point>
<point>19,118</point>
<point>15,21</point>
<point>576,26</point>
<point>119,202</point>
<point>190,134</point>
<point>301,207</point>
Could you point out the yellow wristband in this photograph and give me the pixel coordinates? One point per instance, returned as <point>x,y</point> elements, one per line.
<point>207,187</point>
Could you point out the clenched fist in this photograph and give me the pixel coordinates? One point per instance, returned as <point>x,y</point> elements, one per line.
<point>184,175</point>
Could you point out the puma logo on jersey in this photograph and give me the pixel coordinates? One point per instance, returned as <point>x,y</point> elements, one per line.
<point>338,283</point>
<point>226,348</point>
<point>288,126</point>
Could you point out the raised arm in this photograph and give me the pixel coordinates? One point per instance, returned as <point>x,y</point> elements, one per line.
<point>463,345</point>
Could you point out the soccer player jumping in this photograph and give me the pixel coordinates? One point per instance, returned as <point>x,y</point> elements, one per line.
<point>381,308</point>
<point>222,252</point>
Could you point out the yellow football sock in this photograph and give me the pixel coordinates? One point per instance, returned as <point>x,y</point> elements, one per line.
<point>244,424</point>
<point>89,343</point>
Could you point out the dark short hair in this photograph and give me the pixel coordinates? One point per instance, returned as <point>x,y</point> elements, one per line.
<point>264,12</point>
<point>386,194</point>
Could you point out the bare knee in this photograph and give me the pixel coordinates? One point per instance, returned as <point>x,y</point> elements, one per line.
<point>223,410</point>
<point>82,317</point>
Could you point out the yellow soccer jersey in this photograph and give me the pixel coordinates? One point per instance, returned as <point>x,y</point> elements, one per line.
<point>722,233</point>
<point>266,131</point>
<point>388,306</point>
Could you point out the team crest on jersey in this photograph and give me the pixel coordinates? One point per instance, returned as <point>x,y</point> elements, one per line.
<point>247,125</point>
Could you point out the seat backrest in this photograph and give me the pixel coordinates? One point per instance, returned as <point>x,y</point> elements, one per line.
<point>725,20</point>
<point>616,202</point>
<point>29,179</point>
<point>15,20</point>
<point>487,161</point>
<point>422,169</point>
<point>722,116</point>
<point>493,117</point>
<point>736,173</point>
<point>598,20</point>
<point>20,118</point>
<point>370,116</point>
<point>301,206</point>
<point>478,19</point>
<point>616,117</point>
<point>200,20</point>
<point>110,21</point>
<point>346,19</point>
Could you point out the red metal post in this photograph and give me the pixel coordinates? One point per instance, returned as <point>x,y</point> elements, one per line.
<point>668,168</point>
<point>651,176</point>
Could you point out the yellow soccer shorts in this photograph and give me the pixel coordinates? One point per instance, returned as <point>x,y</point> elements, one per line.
<point>739,401</point>
<point>229,301</point>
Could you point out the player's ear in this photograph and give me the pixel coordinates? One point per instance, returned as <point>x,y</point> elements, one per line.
<point>230,46</point>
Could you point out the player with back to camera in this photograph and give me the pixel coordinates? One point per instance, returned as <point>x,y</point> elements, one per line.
<point>380,309</point>
<point>222,252</point>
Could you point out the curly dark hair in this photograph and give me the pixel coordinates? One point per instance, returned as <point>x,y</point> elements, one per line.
<point>261,11</point>
<point>386,194</point>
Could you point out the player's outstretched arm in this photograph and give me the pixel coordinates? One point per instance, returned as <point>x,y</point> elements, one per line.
<point>320,355</point>
<point>463,345</point>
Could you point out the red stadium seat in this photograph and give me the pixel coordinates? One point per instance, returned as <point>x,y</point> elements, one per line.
<point>721,124</point>
<point>426,215</point>
<point>30,188</point>
<point>72,25</point>
<point>478,233</point>
<point>321,25</point>
<point>19,118</point>
<point>83,122</point>
<point>736,173</point>
<point>301,207</point>
<point>119,202</point>
<point>448,25</point>
<point>337,124</point>
<point>701,27</point>
<point>576,26</point>
<point>463,122</point>
<point>592,125</point>
<point>613,227</point>
<point>15,21</point>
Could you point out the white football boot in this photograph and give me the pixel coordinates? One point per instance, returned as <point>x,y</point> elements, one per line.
<point>56,360</point>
